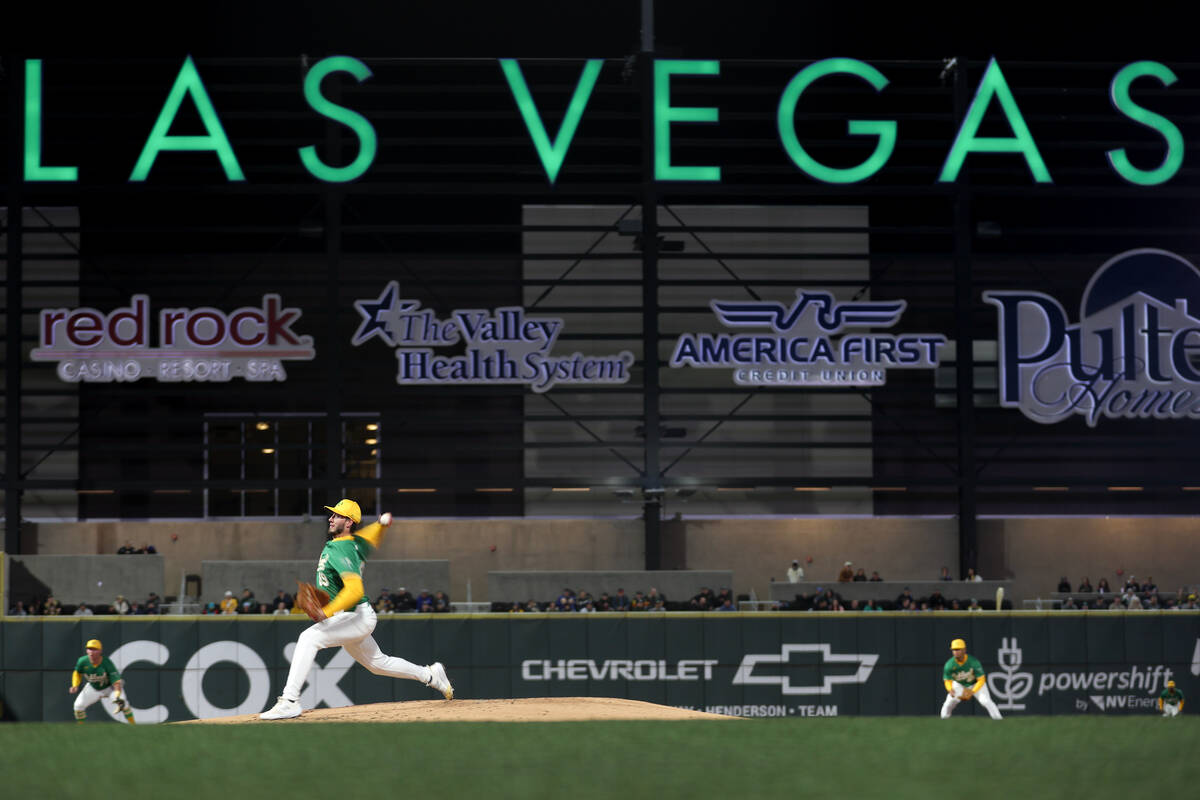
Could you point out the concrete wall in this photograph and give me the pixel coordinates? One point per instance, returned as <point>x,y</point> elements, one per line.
<point>1031,553</point>
<point>984,591</point>
<point>74,579</point>
<point>543,585</point>
<point>266,578</point>
<point>1036,553</point>
<point>473,547</point>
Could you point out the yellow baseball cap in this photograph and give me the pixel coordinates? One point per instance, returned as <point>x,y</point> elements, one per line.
<point>1170,684</point>
<point>94,643</point>
<point>347,508</point>
<point>958,644</point>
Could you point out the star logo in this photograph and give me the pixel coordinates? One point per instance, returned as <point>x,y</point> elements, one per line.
<point>381,316</point>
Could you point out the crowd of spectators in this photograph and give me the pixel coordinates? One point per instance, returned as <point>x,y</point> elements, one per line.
<point>129,549</point>
<point>828,599</point>
<point>1133,595</point>
<point>570,601</point>
<point>51,607</point>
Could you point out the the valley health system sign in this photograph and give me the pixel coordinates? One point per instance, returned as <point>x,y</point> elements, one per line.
<point>193,344</point>
<point>799,344</point>
<point>503,346</point>
<point>1134,354</point>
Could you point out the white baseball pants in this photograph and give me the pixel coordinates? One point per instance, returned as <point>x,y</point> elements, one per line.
<point>1170,710</point>
<point>88,696</point>
<point>983,696</point>
<point>351,630</point>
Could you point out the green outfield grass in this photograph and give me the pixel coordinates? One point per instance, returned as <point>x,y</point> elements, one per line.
<point>863,757</point>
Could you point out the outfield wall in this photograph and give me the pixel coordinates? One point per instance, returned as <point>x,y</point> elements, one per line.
<point>764,664</point>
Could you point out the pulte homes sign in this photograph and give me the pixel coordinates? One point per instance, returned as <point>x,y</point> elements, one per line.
<point>992,92</point>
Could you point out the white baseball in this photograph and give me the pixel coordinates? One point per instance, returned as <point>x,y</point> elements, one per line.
<point>386,519</point>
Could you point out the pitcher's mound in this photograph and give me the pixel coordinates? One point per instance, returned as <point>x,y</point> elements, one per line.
<point>525,709</point>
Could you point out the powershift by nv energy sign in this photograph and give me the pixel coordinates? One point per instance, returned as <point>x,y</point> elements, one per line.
<point>814,341</point>
<point>1133,354</point>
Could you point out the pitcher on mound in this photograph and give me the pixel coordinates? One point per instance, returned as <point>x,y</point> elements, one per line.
<point>348,619</point>
<point>964,679</point>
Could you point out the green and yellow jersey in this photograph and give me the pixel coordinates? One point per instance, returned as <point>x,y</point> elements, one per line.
<point>1170,697</point>
<point>100,676</point>
<point>340,568</point>
<point>969,673</point>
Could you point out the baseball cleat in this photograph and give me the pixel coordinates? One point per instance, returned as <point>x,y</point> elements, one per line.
<point>439,681</point>
<point>283,709</point>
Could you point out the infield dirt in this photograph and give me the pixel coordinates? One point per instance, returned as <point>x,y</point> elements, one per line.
<point>526,709</point>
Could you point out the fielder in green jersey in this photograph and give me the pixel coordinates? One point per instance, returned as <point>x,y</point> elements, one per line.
<point>964,679</point>
<point>348,619</point>
<point>1170,701</point>
<point>100,679</point>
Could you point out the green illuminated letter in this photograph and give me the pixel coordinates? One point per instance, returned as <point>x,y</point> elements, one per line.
<point>993,85</point>
<point>884,129</point>
<point>1119,93</point>
<point>188,83</point>
<point>34,170</point>
<point>351,119</point>
<point>553,153</point>
<point>665,114</point>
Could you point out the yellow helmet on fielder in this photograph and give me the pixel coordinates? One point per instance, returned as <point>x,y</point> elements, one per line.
<point>94,644</point>
<point>958,644</point>
<point>347,508</point>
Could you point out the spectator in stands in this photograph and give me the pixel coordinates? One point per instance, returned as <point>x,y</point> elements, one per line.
<point>229,603</point>
<point>1135,602</point>
<point>619,601</point>
<point>136,610</point>
<point>906,604</point>
<point>584,597</point>
<point>604,603</point>
<point>654,598</point>
<point>974,605</point>
<point>1149,586</point>
<point>795,572</point>
<point>905,595</point>
<point>1086,586</point>
<point>83,610</point>
<point>1118,603</point>
<point>1190,605</point>
<point>1069,603</point>
<point>972,576</point>
<point>18,609</point>
<point>211,608</point>
<point>153,604</point>
<point>847,573</point>
<point>937,602</point>
<point>424,602</point>
<point>565,600</point>
<point>659,605</point>
<point>955,605</point>
<point>120,605</point>
<point>281,609</point>
<point>1153,604</point>
<point>283,597</point>
<point>705,595</point>
<point>383,603</point>
<point>638,603</point>
<point>441,603</point>
<point>1064,585</point>
<point>871,605</point>
<point>51,608</point>
<point>532,607</point>
<point>726,605</point>
<point>403,601</point>
<point>263,608</point>
<point>722,596</point>
<point>126,549</point>
<point>1131,584</point>
<point>860,575</point>
<point>1102,586</point>
<point>945,576</point>
<point>247,603</point>
<point>516,608</point>
<point>875,577</point>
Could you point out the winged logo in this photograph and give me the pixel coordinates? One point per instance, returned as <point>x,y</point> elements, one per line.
<point>828,314</point>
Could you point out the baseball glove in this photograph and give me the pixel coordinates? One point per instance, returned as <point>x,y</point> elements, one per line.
<point>120,704</point>
<point>967,694</point>
<point>310,600</point>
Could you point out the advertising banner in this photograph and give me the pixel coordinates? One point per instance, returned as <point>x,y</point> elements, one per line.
<point>750,665</point>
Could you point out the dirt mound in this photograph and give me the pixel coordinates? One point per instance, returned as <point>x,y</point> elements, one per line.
<point>525,709</point>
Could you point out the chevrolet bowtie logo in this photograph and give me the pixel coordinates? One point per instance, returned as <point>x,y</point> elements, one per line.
<point>864,661</point>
